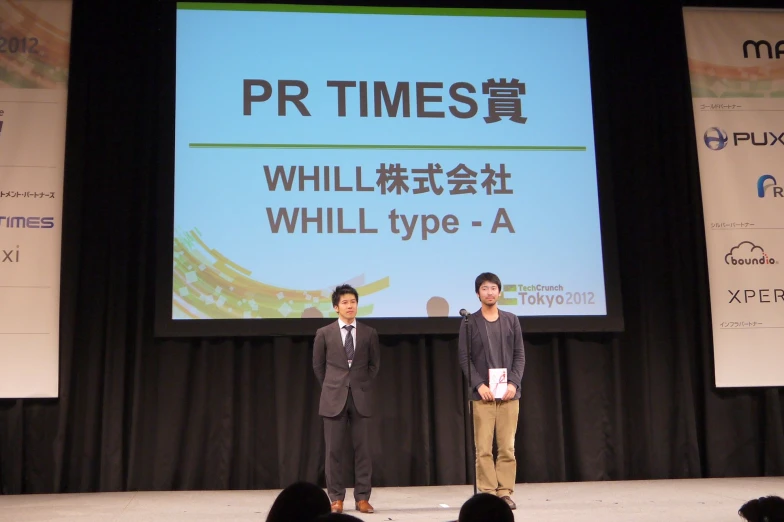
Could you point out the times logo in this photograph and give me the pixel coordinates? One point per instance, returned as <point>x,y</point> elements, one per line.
<point>26,222</point>
<point>747,253</point>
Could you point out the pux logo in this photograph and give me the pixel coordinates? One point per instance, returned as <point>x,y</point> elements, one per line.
<point>767,186</point>
<point>747,253</point>
<point>716,138</point>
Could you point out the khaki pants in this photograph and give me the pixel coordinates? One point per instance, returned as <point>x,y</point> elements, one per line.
<point>497,478</point>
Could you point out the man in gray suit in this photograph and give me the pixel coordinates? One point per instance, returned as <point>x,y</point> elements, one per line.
<point>496,342</point>
<point>346,358</point>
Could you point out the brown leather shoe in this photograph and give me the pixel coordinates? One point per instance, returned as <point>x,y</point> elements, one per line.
<point>509,502</point>
<point>363,506</point>
<point>337,506</point>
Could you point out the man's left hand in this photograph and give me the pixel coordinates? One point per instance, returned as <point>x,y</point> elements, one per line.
<point>511,389</point>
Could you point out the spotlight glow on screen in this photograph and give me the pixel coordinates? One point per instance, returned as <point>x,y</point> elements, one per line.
<point>403,151</point>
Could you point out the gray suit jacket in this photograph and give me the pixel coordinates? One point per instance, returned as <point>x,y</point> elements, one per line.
<point>330,365</point>
<point>513,351</point>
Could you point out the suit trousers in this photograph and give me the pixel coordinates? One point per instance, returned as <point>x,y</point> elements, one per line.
<point>499,417</point>
<point>335,431</point>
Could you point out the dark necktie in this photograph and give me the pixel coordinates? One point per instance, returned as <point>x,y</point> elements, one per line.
<point>349,344</point>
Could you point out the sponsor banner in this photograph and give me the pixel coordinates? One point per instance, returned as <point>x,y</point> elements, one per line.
<point>737,83</point>
<point>34,50</point>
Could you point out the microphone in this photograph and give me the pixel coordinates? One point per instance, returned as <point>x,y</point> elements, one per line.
<point>464,312</point>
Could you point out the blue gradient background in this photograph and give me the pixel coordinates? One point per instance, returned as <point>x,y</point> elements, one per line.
<point>554,208</point>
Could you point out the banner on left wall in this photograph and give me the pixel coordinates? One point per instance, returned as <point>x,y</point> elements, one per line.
<point>35,38</point>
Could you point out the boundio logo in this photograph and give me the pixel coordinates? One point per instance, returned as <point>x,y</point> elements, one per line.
<point>747,253</point>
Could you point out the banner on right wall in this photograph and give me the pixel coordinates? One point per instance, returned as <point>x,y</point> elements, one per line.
<point>737,85</point>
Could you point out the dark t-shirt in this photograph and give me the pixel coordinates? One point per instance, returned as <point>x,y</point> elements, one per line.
<point>495,355</point>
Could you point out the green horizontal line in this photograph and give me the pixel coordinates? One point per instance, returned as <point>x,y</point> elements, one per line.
<point>384,147</point>
<point>421,11</point>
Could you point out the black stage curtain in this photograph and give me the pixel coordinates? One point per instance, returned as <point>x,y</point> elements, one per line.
<point>136,413</point>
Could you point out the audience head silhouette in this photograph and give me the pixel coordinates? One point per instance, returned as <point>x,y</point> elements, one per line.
<point>338,517</point>
<point>485,507</point>
<point>300,502</point>
<point>763,509</point>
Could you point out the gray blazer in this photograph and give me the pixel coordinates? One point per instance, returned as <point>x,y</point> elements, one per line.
<point>330,365</point>
<point>512,346</point>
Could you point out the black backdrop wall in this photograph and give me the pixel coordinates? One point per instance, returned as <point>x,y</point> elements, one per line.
<point>139,413</point>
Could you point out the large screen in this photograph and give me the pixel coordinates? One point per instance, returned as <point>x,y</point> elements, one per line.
<point>403,151</point>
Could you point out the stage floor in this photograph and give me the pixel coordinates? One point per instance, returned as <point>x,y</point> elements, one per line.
<point>695,500</point>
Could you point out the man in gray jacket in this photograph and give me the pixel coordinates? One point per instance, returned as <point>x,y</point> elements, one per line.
<point>496,342</point>
<point>346,358</point>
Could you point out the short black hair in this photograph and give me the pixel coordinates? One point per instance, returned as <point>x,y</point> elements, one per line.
<point>299,501</point>
<point>769,509</point>
<point>341,291</point>
<point>484,506</point>
<point>486,277</point>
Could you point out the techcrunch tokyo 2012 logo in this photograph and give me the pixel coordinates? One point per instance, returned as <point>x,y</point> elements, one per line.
<point>548,296</point>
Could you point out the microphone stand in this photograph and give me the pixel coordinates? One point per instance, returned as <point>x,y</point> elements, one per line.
<point>470,432</point>
<point>472,443</point>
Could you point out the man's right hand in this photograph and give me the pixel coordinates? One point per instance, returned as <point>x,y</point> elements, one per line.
<point>485,393</point>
